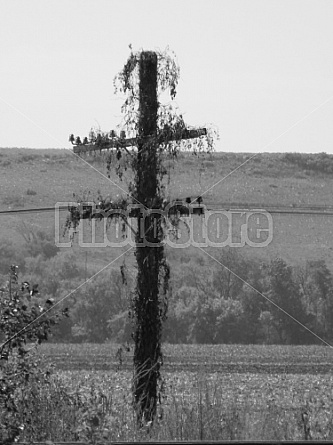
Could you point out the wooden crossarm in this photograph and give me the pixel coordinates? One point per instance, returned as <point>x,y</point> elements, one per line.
<point>131,142</point>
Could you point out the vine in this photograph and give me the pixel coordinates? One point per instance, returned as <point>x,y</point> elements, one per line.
<point>170,128</point>
<point>159,133</point>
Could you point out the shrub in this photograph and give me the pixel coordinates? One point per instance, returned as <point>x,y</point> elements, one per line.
<point>22,319</point>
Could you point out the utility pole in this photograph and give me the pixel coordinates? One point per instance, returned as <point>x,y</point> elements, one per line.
<point>149,250</point>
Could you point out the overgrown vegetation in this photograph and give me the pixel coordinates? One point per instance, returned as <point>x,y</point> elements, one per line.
<point>96,408</point>
<point>25,321</point>
<point>159,132</point>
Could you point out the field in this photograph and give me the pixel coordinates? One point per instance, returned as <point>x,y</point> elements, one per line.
<point>196,358</point>
<point>209,392</point>
<point>37,178</point>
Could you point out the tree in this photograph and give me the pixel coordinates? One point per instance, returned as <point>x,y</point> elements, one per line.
<point>316,283</point>
<point>99,305</point>
<point>229,321</point>
<point>56,273</point>
<point>268,330</point>
<point>285,293</point>
<point>226,275</point>
<point>253,303</point>
<point>197,311</point>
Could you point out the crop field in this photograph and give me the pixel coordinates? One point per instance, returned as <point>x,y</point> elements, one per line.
<point>196,358</point>
<point>219,392</point>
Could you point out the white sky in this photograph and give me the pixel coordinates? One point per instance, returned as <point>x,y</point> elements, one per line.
<point>253,68</point>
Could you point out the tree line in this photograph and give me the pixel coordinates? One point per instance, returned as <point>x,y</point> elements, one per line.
<point>244,301</point>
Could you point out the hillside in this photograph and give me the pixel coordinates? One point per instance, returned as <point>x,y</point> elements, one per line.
<point>40,178</point>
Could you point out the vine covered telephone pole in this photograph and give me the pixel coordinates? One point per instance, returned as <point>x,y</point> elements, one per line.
<point>159,132</point>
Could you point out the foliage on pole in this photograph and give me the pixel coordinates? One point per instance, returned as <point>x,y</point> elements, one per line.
<point>158,131</point>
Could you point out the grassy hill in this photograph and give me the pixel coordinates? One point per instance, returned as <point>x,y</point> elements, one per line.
<point>41,178</point>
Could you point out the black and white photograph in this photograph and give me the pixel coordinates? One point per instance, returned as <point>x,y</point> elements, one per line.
<point>166,221</point>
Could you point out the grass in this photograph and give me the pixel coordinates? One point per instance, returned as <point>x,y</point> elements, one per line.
<point>96,406</point>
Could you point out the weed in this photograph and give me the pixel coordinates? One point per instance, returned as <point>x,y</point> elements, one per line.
<point>98,408</point>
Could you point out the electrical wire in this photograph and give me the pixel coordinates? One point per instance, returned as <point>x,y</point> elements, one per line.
<point>32,210</point>
<point>306,210</point>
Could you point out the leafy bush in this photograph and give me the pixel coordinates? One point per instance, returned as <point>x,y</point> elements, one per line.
<point>24,319</point>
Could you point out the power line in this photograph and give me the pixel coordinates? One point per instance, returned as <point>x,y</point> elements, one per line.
<point>278,209</point>
<point>32,210</point>
<point>241,207</point>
